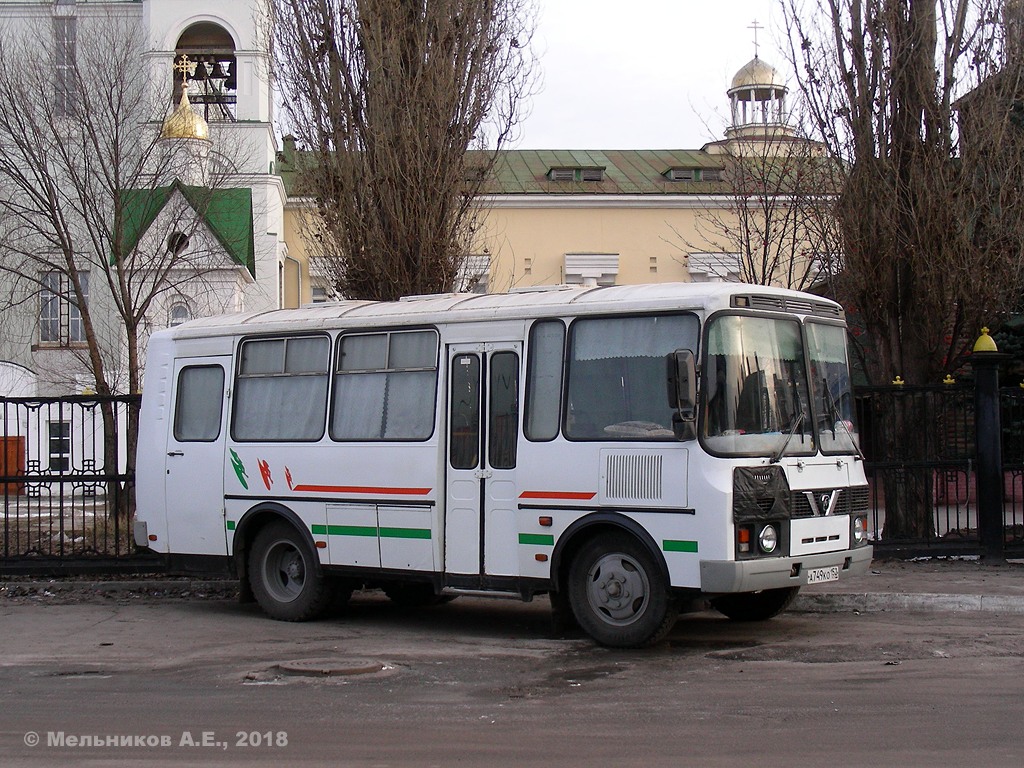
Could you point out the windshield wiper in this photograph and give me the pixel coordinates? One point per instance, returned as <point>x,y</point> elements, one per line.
<point>834,415</point>
<point>792,430</point>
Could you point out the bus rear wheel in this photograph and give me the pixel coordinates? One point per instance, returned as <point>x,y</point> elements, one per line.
<point>755,606</point>
<point>618,594</point>
<point>283,574</point>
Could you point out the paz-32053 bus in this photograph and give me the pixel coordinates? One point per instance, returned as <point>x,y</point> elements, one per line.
<point>630,451</point>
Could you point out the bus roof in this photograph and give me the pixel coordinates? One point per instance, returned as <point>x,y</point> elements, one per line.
<point>546,301</point>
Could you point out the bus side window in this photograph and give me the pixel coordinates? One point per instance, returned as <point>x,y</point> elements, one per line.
<point>281,389</point>
<point>544,380</point>
<point>198,403</point>
<point>503,426</point>
<point>616,378</point>
<point>385,386</point>
<point>464,438</point>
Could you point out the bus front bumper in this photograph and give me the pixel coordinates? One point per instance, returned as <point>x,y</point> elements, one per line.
<point>725,576</point>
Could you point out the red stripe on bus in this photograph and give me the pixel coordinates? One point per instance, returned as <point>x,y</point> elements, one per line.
<point>363,489</point>
<point>579,495</point>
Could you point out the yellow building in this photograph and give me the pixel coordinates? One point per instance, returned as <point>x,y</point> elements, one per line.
<point>608,217</point>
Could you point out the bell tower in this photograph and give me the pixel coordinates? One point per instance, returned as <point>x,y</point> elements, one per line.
<point>215,57</point>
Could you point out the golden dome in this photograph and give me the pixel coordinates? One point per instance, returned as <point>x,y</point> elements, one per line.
<point>757,73</point>
<point>185,122</point>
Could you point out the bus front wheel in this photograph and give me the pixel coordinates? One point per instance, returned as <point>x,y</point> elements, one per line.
<point>283,574</point>
<point>618,593</point>
<point>755,606</point>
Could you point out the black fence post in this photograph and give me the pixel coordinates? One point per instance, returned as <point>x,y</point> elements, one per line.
<point>988,449</point>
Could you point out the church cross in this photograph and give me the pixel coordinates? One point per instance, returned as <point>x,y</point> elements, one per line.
<point>184,66</point>
<point>755,26</point>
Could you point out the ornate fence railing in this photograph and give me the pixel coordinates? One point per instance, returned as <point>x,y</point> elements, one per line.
<point>68,496</point>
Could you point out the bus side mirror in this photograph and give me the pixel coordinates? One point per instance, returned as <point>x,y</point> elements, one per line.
<point>682,392</point>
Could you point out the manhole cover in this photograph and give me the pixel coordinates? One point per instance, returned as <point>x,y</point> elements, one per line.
<point>332,667</point>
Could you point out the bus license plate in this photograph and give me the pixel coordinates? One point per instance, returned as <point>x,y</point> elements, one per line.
<point>821,575</point>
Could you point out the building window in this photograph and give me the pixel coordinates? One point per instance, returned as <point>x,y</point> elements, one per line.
<point>572,173</point>
<point>177,243</point>
<point>681,174</point>
<point>473,274</point>
<point>180,313</point>
<point>65,34</point>
<point>591,269</point>
<point>60,446</point>
<point>693,174</point>
<point>60,318</point>
<point>715,267</point>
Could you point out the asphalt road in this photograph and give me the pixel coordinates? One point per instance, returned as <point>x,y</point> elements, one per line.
<point>172,681</point>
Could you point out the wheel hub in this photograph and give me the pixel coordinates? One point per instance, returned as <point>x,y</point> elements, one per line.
<point>293,569</point>
<point>617,589</point>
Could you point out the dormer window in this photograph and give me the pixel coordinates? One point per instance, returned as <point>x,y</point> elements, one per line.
<point>693,174</point>
<point>576,173</point>
<point>681,174</point>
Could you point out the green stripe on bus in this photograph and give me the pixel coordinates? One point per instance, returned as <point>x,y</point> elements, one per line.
<point>231,525</point>
<point>351,530</point>
<point>369,530</point>
<point>679,546</point>
<point>543,539</point>
<point>405,533</point>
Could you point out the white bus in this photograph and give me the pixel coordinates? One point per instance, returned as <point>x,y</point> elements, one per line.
<point>632,451</point>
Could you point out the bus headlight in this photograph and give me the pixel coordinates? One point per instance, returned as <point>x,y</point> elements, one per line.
<point>860,530</point>
<point>768,539</point>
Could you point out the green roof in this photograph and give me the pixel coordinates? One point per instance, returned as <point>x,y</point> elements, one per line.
<point>227,212</point>
<point>528,171</point>
<point>625,172</point>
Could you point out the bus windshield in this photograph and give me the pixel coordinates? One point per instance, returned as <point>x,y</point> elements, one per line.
<point>755,388</point>
<point>830,383</point>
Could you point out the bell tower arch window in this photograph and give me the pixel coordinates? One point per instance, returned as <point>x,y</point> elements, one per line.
<point>213,75</point>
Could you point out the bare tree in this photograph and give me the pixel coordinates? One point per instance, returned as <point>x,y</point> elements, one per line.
<point>387,96</point>
<point>85,185</point>
<point>915,100</point>
<point>932,232</point>
<point>775,210</point>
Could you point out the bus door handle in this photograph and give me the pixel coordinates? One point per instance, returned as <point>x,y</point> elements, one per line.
<point>175,453</point>
<point>482,474</point>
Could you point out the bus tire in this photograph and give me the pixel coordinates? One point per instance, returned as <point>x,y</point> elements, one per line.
<point>755,606</point>
<point>283,573</point>
<point>618,593</point>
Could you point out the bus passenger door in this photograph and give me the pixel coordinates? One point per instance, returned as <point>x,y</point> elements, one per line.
<point>483,427</point>
<point>194,482</point>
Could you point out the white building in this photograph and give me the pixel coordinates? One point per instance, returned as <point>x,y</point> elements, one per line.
<point>206,224</point>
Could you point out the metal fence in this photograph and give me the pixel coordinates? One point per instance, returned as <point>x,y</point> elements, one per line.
<point>921,457</point>
<point>68,497</point>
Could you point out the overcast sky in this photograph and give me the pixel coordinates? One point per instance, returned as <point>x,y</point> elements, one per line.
<point>642,74</point>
